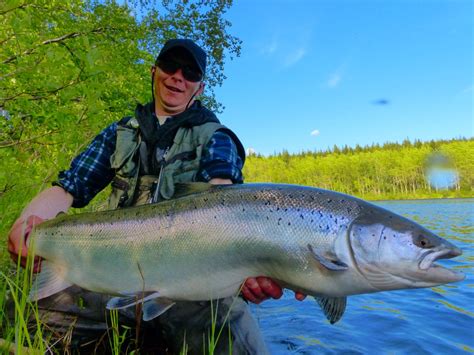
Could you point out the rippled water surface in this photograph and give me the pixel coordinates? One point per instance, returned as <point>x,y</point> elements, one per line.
<point>438,320</point>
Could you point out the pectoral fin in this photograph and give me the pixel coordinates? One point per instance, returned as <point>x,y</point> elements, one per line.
<point>156,307</point>
<point>333,307</point>
<point>125,302</point>
<point>333,265</point>
<point>48,282</point>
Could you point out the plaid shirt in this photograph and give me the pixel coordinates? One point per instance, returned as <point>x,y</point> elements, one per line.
<point>90,171</point>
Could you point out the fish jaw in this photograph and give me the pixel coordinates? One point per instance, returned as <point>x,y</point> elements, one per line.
<point>434,274</point>
<point>393,252</point>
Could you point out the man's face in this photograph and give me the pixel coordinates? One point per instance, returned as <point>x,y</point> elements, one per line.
<point>172,90</point>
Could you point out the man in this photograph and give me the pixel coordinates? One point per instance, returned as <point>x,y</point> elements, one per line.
<point>173,139</point>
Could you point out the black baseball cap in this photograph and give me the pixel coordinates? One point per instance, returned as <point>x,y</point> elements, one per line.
<point>196,52</point>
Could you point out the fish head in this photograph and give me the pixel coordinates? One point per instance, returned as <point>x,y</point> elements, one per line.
<point>393,252</point>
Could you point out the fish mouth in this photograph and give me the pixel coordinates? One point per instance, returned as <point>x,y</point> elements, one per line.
<point>438,273</point>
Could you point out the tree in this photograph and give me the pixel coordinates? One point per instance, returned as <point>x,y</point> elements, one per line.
<point>68,68</point>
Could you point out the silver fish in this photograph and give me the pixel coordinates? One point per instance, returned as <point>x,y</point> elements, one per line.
<point>205,243</point>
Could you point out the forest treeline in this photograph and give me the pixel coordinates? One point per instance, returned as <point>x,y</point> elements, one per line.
<point>388,171</point>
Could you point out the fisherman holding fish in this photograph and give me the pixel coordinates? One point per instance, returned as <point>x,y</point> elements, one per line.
<point>173,139</point>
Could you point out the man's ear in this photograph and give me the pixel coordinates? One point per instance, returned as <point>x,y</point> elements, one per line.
<point>200,90</point>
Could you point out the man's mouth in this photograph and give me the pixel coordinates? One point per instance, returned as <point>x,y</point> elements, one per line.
<point>174,89</point>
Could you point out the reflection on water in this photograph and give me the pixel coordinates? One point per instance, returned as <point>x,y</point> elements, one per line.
<point>438,320</point>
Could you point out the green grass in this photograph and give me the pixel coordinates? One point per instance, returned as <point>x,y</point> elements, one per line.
<point>14,329</point>
<point>24,333</point>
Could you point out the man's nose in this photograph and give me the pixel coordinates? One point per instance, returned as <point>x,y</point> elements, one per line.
<point>178,74</point>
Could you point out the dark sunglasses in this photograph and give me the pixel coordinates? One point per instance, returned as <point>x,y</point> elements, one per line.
<point>170,67</point>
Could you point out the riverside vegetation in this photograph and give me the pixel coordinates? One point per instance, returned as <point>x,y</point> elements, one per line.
<point>392,171</point>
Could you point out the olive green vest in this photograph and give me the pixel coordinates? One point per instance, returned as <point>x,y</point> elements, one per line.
<point>181,163</point>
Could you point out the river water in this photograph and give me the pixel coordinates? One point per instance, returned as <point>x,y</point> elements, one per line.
<point>438,320</point>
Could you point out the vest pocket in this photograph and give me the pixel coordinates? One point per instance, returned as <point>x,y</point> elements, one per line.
<point>123,159</point>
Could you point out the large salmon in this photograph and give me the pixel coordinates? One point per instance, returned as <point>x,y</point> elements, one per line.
<point>204,244</point>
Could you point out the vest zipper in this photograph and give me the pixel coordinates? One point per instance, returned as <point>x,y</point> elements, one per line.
<point>155,189</point>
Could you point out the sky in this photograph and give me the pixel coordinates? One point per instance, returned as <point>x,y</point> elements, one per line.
<point>317,73</point>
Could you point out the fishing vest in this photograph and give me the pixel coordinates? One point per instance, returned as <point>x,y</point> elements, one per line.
<point>180,163</point>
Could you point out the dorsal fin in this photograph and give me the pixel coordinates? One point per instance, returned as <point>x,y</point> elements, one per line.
<point>190,188</point>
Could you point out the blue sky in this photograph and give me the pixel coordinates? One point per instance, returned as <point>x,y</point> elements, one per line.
<point>313,74</point>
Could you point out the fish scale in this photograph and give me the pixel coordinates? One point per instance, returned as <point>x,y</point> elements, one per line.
<point>203,245</point>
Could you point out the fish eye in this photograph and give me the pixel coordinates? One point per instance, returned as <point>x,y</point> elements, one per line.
<point>422,242</point>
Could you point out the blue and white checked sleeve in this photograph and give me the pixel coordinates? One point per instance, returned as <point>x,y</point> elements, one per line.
<point>220,160</point>
<point>90,171</point>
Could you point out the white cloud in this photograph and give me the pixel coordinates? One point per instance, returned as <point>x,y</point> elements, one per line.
<point>334,80</point>
<point>315,133</point>
<point>270,48</point>
<point>250,151</point>
<point>294,57</point>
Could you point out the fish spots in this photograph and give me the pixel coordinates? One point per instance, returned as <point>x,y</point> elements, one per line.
<point>301,216</point>
<point>279,220</point>
<point>329,200</point>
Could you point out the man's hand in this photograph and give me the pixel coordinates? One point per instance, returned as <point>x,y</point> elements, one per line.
<point>17,238</point>
<point>258,289</point>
